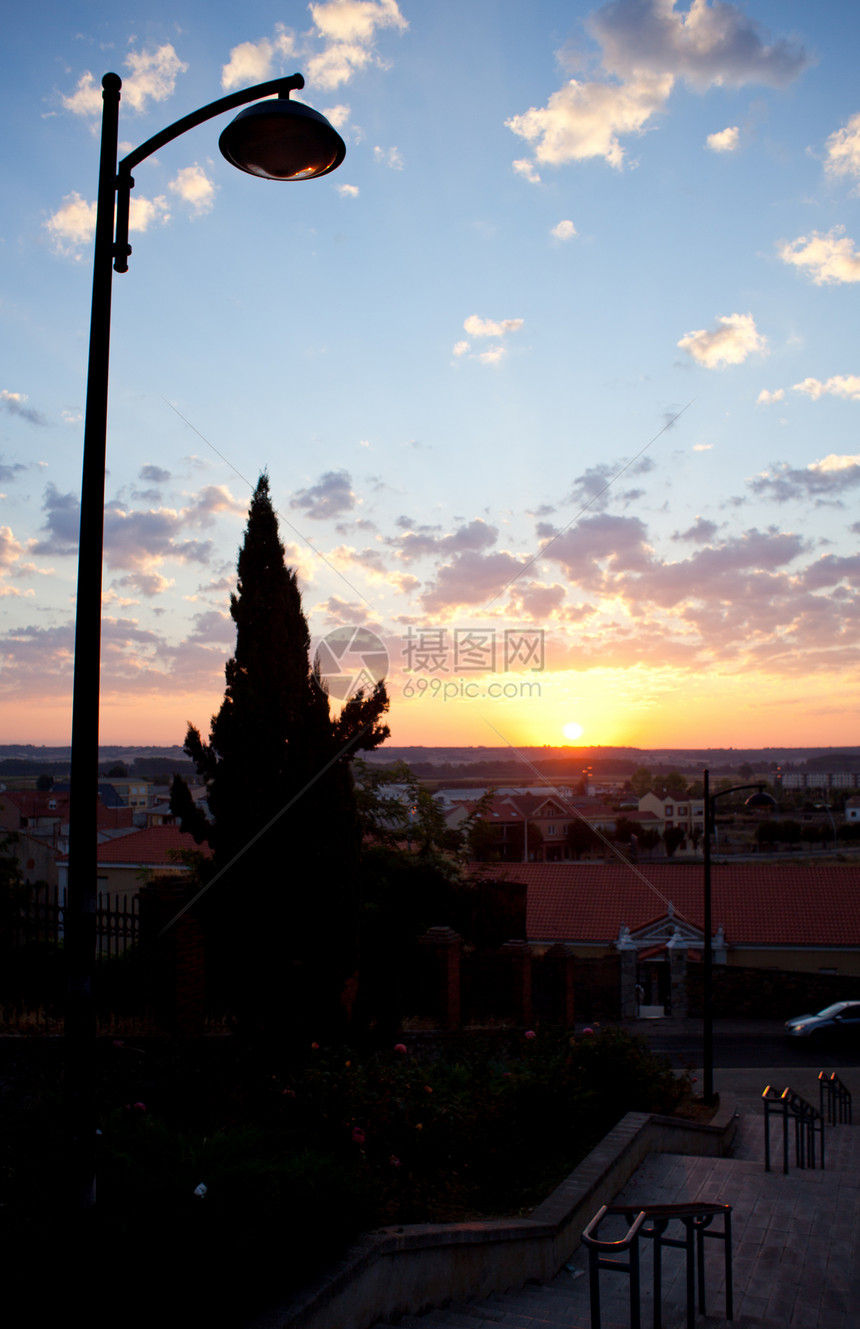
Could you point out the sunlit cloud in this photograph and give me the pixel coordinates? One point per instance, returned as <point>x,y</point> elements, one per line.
<point>329,497</point>
<point>564,230</point>
<point>73,225</point>
<point>827,258</point>
<point>153,78</point>
<point>843,150</point>
<point>389,157</point>
<point>254,62</point>
<point>194,187</point>
<point>337,115</point>
<point>347,191</point>
<point>726,140</point>
<point>730,343</point>
<point>766,398</point>
<point>350,29</point>
<point>15,403</point>
<point>825,480</point>
<point>488,327</point>
<point>846,386</point>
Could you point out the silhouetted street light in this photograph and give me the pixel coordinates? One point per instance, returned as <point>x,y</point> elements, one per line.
<point>276,139</point>
<point>758,800</point>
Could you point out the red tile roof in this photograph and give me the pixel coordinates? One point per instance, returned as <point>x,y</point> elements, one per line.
<point>152,847</point>
<point>767,905</point>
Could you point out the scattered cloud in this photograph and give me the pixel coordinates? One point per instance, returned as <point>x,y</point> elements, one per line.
<point>389,157</point>
<point>843,150</point>
<point>729,344</point>
<point>329,497</point>
<point>15,404</point>
<point>461,347</point>
<point>337,115</point>
<point>194,187</point>
<point>524,167</point>
<point>841,385</point>
<point>828,258</point>
<point>701,532</point>
<point>254,62</point>
<point>564,230</point>
<point>824,480</point>
<point>726,140</point>
<point>153,78</point>
<point>766,398</point>
<point>154,474</point>
<point>73,225</point>
<point>646,45</point>
<point>349,29</point>
<point>347,191</point>
<point>488,327</point>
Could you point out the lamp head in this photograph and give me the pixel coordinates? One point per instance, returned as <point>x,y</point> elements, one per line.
<point>761,799</point>
<point>279,139</point>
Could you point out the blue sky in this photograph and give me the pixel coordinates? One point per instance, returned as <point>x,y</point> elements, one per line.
<point>564,353</point>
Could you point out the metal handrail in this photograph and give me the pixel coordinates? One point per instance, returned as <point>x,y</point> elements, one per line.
<point>838,1096</point>
<point>808,1122</point>
<point>651,1221</point>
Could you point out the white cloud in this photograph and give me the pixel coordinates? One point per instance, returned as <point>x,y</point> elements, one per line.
<point>565,230</point>
<point>766,398</point>
<point>389,157</point>
<point>835,463</point>
<point>843,150</point>
<point>840,385</point>
<point>350,28</point>
<point>494,356</point>
<point>253,62</point>
<point>828,258</point>
<point>337,115</point>
<point>709,44</point>
<point>729,344</point>
<point>487,327</point>
<point>16,404</point>
<point>523,166</point>
<point>143,212</point>
<point>194,187</point>
<point>645,46</point>
<point>73,224</point>
<point>153,78</point>
<point>726,140</point>
<point>461,347</point>
<point>584,120</point>
<point>347,191</point>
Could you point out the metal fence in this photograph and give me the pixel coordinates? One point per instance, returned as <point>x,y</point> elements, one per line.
<point>38,916</point>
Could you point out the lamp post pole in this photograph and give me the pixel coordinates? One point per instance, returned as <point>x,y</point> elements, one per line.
<point>276,140</point>
<point>759,799</point>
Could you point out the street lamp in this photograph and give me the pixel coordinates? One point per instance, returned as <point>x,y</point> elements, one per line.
<point>276,140</point>
<point>761,799</point>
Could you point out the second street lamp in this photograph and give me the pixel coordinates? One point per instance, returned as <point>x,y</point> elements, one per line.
<point>276,139</point>
<point>758,800</point>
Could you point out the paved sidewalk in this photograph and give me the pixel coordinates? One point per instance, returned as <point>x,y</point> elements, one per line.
<point>796,1238</point>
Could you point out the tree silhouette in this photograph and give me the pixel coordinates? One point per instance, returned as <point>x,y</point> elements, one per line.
<point>283,825</point>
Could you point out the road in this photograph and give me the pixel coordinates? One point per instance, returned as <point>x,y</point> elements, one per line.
<point>744,1044</point>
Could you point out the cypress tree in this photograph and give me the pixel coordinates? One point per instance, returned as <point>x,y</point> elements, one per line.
<point>284,830</point>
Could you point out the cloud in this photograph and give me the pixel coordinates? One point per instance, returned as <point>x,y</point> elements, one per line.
<point>423,541</point>
<point>337,115</point>
<point>524,167</point>
<point>726,140</point>
<point>564,230</point>
<point>389,157</point>
<point>828,258</point>
<point>593,488</point>
<point>73,225</point>
<point>471,578</point>
<point>154,474</point>
<point>487,327</point>
<point>646,45</point>
<point>194,187</point>
<point>826,480</point>
<point>584,120</point>
<point>10,470</point>
<point>701,532</point>
<point>706,45</point>
<point>153,78</point>
<point>843,150</point>
<point>14,403</point>
<point>253,62</point>
<point>329,497</point>
<point>766,398</point>
<point>460,348</point>
<point>347,191</point>
<point>728,344</point>
<point>349,27</point>
<point>841,385</point>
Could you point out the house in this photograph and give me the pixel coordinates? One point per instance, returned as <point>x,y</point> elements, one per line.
<point>852,809</point>
<point>687,814</point>
<point>534,827</point>
<point>127,861</point>
<point>775,916</point>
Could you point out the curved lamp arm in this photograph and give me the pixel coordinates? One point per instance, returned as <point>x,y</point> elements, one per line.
<point>124,180</point>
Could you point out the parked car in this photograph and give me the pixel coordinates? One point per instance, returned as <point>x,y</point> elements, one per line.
<point>837,1023</point>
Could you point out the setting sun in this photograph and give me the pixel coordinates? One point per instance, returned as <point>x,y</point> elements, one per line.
<point>572,731</point>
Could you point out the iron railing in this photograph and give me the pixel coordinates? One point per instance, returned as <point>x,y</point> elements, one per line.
<point>834,1100</point>
<point>651,1222</point>
<point>808,1122</point>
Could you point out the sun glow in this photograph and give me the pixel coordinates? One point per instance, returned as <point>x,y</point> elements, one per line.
<point>572,731</point>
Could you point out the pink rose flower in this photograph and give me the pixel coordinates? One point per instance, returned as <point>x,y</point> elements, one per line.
<point>138,1107</point>
<point>394,1161</point>
<point>588,1030</point>
<point>399,1047</point>
<point>530,1033</point>
<point>358,1135</point>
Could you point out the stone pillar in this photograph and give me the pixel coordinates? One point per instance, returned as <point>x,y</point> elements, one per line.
<point>676,949</point>
<point>445,944</point>
<point>628,953</point>
<point>521,979</point>
<point>176,956</point>
<point>562,959</point>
